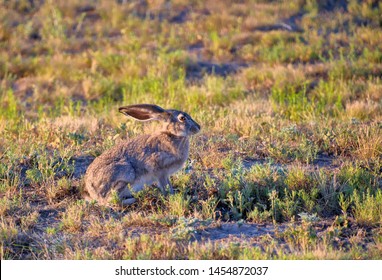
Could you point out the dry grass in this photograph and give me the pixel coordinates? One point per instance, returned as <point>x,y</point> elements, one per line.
<point>288,95</point>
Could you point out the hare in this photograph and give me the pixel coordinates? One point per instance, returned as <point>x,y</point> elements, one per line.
<point>129,166</point>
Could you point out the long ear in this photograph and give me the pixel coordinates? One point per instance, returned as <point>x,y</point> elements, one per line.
<point>144,112</point>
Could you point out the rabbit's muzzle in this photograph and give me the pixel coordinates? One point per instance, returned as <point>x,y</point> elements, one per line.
<point>195,128</point>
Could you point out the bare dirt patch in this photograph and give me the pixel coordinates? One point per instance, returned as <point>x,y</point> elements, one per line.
<point>81,164</point>
<point>236,230</point>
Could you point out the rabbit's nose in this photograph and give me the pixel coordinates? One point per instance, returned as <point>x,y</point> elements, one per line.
<point>195,128</point>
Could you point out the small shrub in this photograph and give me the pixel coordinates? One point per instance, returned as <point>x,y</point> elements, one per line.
<point>367,209</point>
<point>73,217</point>
<point>8,231</point>
<point>29,220</point>
<point>178,205</point>
<point>209,207</point>
<point>298,179</point>
<point>259,215</point>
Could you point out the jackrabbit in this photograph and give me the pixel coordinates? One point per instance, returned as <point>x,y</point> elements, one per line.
<point>129,166</point>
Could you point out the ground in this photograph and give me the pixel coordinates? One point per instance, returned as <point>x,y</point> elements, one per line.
<point>289,96</point>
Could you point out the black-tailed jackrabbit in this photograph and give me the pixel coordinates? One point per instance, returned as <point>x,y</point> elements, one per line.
<point>129,166</point>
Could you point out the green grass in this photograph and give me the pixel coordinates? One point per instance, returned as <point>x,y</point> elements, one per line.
<point>288,95</point>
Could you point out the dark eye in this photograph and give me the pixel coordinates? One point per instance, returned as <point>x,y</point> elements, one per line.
<point>182,118</point>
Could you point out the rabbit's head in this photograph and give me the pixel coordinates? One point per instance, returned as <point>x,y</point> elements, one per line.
<point>176,122</point>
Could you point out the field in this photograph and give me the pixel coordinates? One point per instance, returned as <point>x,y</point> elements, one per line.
<point>289,96</point>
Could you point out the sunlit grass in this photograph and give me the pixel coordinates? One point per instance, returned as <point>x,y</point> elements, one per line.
<point>288,95</point>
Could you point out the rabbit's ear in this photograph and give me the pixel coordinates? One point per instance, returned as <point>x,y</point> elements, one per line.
<point>144,112</point>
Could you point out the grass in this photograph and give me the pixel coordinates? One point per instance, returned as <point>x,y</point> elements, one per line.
<point>288,95</point>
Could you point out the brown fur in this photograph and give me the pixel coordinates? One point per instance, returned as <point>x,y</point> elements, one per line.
<point>129,166</point>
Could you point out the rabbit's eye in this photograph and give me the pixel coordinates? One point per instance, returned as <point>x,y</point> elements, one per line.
<point>182,118</point>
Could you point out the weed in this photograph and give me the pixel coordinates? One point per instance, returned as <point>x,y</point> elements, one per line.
<point>367,208</point>
<point>259,216</point>
<point>9,105</point>
<point>8,234</point>
<point>302,237</point>
<point>288,95</point>
<point>298,179</point>
<point>178,205</point>
<point>30,220</point>
<point>72,218</point>
<point>149,247</point>
<point>51,231</point>
<point>209,208</point>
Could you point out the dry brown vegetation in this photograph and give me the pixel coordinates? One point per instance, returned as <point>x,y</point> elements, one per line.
<point>289,96</point>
